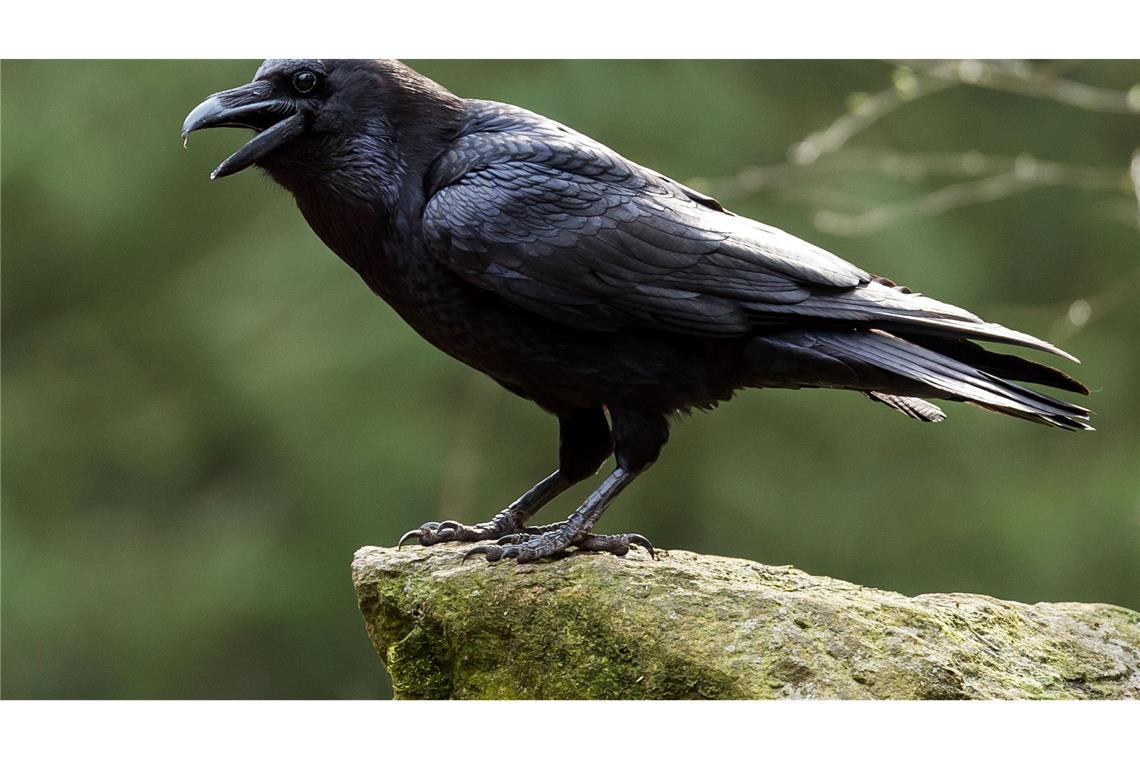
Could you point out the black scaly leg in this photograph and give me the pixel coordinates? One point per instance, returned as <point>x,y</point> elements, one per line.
<point>638,438</point>
<point>584,444</point>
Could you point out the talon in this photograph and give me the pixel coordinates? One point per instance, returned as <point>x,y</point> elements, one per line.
<point>418,533</point>
<point>643,542</point>
<point>482,549</point>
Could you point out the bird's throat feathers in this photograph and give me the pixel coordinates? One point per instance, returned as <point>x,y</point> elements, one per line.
<point>362,170</point>
<point>362,212</point>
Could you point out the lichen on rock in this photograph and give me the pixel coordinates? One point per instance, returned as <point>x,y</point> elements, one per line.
<point>595,626</point>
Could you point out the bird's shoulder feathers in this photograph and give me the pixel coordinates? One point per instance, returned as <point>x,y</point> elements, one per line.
<point>564,226</point>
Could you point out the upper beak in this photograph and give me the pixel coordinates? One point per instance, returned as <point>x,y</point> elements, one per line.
<point>252,106</point>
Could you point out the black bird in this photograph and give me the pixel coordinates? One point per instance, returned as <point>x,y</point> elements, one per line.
<point>591,285</point>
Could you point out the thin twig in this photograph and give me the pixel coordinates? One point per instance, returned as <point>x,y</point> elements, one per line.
<point>932,204</point>
<point>906,88</point>
<point>1025,80</point>
<point>1015,175</point>
<point>915,167</point>
<point>911,81</point>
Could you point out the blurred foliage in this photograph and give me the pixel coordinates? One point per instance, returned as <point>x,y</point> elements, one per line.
<point>205,412</point>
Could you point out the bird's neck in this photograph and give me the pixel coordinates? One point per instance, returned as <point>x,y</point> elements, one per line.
<point>374,239</point>
<point>364,195</point>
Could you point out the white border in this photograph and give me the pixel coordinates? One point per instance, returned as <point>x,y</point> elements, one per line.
<point>571,29</point>
<point>580,29</point>
<point>730,730</point>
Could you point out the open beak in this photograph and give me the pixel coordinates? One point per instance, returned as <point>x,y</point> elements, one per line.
<point>252,106</point>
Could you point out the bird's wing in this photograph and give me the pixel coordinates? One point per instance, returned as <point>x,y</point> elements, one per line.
<point>564,227</point>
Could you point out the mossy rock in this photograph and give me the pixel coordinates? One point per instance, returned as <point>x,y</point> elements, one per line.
<point>687,626</point>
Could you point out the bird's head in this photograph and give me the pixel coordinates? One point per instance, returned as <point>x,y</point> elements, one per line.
<point>350,125</point>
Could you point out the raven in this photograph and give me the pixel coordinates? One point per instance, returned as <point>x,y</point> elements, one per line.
<point>608,294</point>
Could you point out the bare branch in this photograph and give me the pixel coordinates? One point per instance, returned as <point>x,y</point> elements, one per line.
<point>916,167</point>
<point>932,204</point>
<point>906,87</point>
<point>1023,79</point>
<point>1010,176</point>
<point>909,85</point>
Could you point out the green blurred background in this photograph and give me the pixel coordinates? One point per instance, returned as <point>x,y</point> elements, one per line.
<point>205,412</point>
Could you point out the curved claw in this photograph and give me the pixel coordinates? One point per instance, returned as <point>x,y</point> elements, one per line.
<point>417,532</point>
<point>643,542</point>
<point>481,549</point>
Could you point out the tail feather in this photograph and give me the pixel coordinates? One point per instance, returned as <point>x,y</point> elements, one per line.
<point>884,305</point>
<point>977,330</point>
<point>1005,366</point>
<point>949,377</point>
<point>915,408</point>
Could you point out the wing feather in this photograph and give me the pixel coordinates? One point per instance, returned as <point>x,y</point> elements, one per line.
<point>566,228</point>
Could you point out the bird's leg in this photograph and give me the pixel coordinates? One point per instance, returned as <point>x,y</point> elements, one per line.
<point>638,438</point>
<point>574,531</point>
<point>510,520</point>
<point>584,443</point>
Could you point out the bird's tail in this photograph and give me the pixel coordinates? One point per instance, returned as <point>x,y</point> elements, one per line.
<point>900,370</point>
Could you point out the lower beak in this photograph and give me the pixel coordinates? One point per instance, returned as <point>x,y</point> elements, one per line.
<point>251,106</point>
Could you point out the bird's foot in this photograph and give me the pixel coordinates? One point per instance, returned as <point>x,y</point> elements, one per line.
<point>554,540</point>
<point>432,533</point>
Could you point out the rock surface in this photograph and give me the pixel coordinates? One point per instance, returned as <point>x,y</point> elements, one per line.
<point>689,626</point>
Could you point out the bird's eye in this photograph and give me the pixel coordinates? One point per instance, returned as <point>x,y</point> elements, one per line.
<point>304,81</point>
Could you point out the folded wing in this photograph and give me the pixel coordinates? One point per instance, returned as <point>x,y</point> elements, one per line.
<point>564,227</point>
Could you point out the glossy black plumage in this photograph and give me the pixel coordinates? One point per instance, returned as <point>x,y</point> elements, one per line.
<point>589,284</point>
